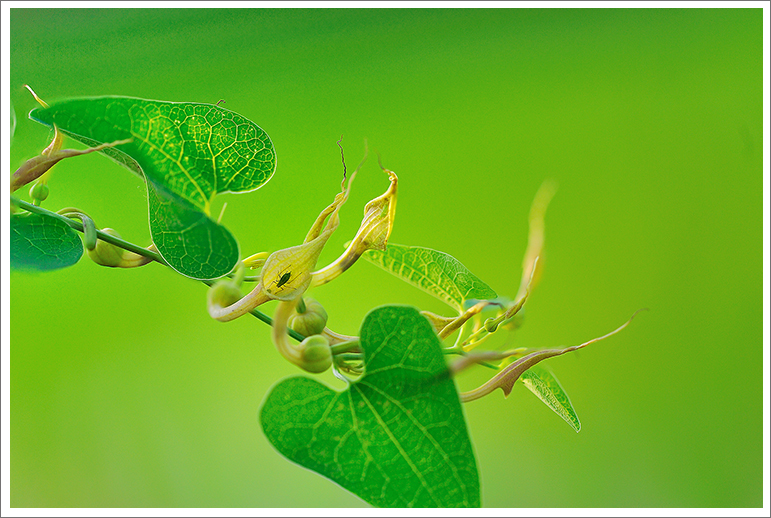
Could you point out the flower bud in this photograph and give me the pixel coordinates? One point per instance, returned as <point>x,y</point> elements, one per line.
<point>438,322</point>
<point>491,325</point>
<point>223,293</point>
<point>107,254</point>
<point>39,191</point>
<point>312,321</point>
<point>316,354</point>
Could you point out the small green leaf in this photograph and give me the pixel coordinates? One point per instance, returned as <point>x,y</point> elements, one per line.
<point>543,384</point>
<point>397,437</point>
<point>436,273</point>
<point>40,242</point>
<point>187,153</point>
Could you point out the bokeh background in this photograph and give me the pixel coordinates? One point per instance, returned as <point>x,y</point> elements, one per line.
<point>125,393</point>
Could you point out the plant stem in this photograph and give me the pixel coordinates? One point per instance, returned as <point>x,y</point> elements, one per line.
<point>461,352</point>
<point>78,225</point>
<point>345,347</point>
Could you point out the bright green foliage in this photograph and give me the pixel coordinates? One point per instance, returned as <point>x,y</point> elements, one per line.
<point>40,242</point>
<point>187,153</point>
<point>191,243</point>
<point>543,384</point>
<point>435,272</point>
<point>397,437</point>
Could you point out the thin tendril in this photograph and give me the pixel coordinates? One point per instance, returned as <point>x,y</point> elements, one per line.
<point>342,156</point>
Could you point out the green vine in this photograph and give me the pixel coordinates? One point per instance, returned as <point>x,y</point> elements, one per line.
<point>397,435</point>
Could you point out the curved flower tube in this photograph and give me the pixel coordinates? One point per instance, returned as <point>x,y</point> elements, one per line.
<point>226,313</point>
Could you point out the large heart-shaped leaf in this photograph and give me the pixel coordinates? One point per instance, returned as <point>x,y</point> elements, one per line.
<point>397,437</point>
<point>187,153</point>
<point>434,272</point>
<point>40,242</point>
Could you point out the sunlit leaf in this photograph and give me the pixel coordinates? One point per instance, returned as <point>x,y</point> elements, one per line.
<point>543,384</point>
<point>192,243</point>
<point>397,437</point>
<point>435,272</point>
<point>187,153</point>
<point>40,242</point>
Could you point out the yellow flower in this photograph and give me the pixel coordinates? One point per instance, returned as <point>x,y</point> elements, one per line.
<point>373,233</point>
<point>286,274</point>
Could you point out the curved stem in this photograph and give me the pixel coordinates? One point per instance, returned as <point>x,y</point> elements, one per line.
<point>337,338</point>
<point>346,347</point>
<point>89,228</point>
<point>78,225</point>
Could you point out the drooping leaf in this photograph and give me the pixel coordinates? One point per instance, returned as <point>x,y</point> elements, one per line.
<point>40,242</point>
<point>543,384</point>
<point>436,273</point>
<point>192,243</point>
<point>397,437</point>
<point>187,153</point>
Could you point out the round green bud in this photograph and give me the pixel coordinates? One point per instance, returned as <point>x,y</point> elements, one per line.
<point>490,325</point>
<point>39,191</point>
<point>224,293</point>
<point>316,354</point>
<point>107,254</point>
<point>312,321</point>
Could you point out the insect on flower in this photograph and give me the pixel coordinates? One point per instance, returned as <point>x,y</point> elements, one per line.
<point>284,279</point>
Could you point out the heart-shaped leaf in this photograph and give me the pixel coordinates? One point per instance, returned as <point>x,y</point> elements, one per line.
<point>40,242</point>
<point>435,272</point>
<point>397,437</point>
<point>187,153</point>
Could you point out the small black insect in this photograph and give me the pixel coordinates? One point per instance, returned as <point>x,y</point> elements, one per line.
<point>284,279</point>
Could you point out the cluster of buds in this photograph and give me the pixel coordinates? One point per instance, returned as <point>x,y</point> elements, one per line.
<point>287,274</point>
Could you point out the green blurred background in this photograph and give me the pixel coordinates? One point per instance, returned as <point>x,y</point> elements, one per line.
<point>125,393</point>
